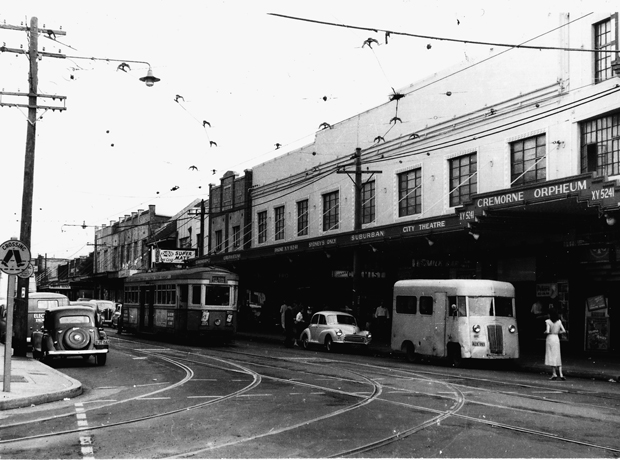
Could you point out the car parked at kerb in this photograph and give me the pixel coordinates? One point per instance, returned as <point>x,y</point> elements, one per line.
<point>71,331</point>
<point>334,328</point>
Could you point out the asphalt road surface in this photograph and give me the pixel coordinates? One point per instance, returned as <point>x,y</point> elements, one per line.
<point>257,400</point>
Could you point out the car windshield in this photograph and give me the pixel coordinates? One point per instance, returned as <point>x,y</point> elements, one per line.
<point>483,306</point>
<point>341,319</point>
<point>74,320</point>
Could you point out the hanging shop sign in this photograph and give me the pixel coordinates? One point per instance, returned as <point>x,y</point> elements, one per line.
<point>173,256</point>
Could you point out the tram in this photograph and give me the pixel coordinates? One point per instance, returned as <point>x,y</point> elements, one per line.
<point>190,303</point>
<point>455,319</point>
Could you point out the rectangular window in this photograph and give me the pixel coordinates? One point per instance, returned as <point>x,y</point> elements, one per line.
<point>217,295</point>
<point>604,39</point>
<point>184,242</point>
<point>527,160</point>
<point>219,241</point>
<point>302,218</point>
<point>236,236</point>
<point>279,223</point>
<point>463,179</point>
<point>410,193</point>
<point>195,298</point>
<point>426,305</point>
<point>368,202</point>
<point>262,226</point>
<point>330,211</point>
<point>406,304</point>
<point>600,145</point>
<point>165,294</point>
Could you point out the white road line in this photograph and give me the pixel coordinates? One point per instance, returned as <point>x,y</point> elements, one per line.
<point>151,399</point>
<point>203,380</point>
<point>144,357</point>
<point>204,396</point>
<point>248,395</point>
<point>86,440</point>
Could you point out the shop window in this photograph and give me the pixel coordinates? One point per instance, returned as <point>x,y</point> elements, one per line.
<point>463,178</point>
<point>426,305</point>
<point>406,304</point>
<point>331,211</point>
<point>279,223</point>
<point>368,202</point>
<point>600,145</point>
<point>219,241</point>
<point>527,160</point>
<point>605,40</point>
<point>302,218</point>
<point>262,226</point>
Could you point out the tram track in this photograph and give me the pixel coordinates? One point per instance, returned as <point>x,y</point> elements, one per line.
<point>181,359</point>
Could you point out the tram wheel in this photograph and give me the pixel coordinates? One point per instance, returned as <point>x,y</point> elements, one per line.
<point>454,355</point>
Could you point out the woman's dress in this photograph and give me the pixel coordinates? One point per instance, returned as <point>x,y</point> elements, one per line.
<point>552,348</point>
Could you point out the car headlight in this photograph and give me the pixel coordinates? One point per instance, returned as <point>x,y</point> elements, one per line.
<point>339,332</point>
<point>512,329</point>
<point>476,328</point>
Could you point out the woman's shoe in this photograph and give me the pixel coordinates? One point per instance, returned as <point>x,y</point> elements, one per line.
<point>553,377</point>
<point>562,378</point>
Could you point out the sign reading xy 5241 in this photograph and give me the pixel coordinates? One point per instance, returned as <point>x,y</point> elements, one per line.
<point>14,257</point>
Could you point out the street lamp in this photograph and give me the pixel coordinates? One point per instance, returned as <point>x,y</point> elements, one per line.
<point>150,79</point>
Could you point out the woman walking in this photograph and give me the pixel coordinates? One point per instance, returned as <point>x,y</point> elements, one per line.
<point>553,357</point>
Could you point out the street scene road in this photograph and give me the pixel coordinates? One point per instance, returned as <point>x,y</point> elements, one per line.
<point>262,400</point>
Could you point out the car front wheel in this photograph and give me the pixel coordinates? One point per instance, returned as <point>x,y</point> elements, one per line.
<point>101,359</point>
<point>304,342</point>
<point>329,344</point>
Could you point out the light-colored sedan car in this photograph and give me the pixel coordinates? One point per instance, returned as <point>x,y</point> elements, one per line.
<point>329,328</point>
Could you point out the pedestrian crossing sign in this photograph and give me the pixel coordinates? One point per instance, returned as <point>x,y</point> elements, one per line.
<point>14,257</point>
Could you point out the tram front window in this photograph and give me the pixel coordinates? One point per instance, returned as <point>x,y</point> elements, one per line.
<point>483,306</point>
<point>217,295</point>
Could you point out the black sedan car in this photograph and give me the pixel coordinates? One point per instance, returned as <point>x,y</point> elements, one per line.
<point>71,331</point>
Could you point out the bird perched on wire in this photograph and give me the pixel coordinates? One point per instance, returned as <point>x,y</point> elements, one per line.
<point>369,42</point>
<point>205,123</point>
<point>176,187</point>
<point>278,145</point>
<point>212,144</point>
<point>194,168</point>
<point>123,66</point>
<point>213,171</point>
<point>379,139</point>
<point>177,97</point>
<point>325,125</point>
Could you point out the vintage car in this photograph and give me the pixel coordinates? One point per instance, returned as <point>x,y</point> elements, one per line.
<point>331,328</point>
<point>71,331</point>
<point>106,309</point>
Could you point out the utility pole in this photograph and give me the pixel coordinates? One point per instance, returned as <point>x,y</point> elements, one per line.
<point>21,306</point>
<point>201,243</point>
<point>357,224</point>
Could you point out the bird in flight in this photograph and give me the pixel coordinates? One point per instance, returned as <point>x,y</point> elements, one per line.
<point>176,187</point>
<point>194,168</point>
<point>325,125</point>
<point>177,97</point>
<point>205,123</point>
<point>369,42</point>
<point>123,66</point>
<point>212,144</point>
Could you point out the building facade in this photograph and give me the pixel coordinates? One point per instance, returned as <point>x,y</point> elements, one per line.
<point>505,168</point>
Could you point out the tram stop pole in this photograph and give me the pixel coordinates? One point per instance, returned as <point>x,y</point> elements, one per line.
<point>8,340</point>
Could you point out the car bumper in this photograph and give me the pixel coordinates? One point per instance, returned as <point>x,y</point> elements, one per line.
<point>77,352</point>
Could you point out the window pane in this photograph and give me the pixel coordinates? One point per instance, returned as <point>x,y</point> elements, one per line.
<point>426,305</point>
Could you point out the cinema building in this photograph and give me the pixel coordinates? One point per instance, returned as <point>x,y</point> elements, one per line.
<point>504,169</point>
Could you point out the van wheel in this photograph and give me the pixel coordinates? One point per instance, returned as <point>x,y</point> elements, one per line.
<point>412,356</point>
<point>454,355</point>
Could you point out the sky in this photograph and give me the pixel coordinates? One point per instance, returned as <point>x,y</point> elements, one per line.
<point>257,79</point>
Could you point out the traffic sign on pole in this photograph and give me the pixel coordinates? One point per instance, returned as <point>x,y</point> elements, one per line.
<point>14,257</point>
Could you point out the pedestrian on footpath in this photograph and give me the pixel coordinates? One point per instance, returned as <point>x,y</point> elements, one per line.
<point>289,327</point>
<point>553,356</point>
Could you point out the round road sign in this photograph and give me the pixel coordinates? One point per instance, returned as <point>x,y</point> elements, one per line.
<point>14,257</point>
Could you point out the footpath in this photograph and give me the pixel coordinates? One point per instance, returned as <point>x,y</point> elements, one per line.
<point>34,383</point>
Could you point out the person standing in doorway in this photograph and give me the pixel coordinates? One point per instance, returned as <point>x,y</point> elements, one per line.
<point>283,308</point>
<point>553,356</point>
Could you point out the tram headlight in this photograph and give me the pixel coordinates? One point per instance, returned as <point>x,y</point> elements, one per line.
<point>476,329</point>
<point>512,329</point>
<point>217,322</point>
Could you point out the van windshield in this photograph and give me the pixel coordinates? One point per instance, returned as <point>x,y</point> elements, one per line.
<point>484,306</point>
